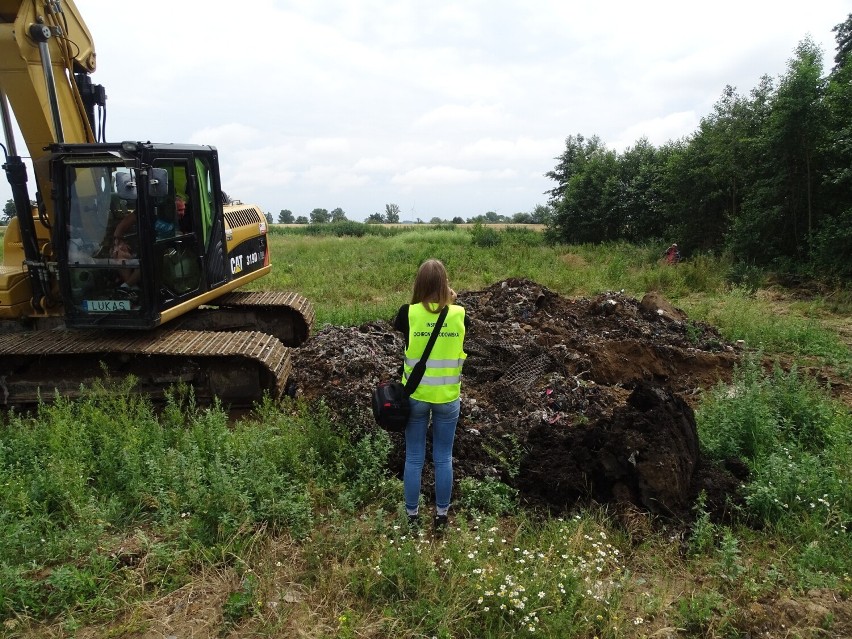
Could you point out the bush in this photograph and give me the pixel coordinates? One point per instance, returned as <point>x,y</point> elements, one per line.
<point>339,229</point>
<point>794,439</point>
<point>831,246</point>
<point>78,469</point>
<point>746,275</point>
<point>519,235</point>
<point>345,228</point>
<point>484,236</point>
<point>445,226</point>
<point>487,497</point>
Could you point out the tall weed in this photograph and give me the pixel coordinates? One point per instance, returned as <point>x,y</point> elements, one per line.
<point>357,279</point>
<point>77,469</point>
<point>796,441</point>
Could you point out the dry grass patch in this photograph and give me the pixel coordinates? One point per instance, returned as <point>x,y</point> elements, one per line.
<point>572,260</point>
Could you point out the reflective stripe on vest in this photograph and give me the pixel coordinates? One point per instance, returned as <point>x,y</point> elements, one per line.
<point>437,363</point>
<point>441,381</point>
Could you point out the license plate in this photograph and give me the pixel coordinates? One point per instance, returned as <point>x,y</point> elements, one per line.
<point>106,306</point>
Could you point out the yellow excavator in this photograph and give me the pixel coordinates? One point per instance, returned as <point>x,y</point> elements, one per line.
<point>128,260</point>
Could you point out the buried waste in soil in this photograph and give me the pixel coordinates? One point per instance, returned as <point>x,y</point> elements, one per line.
<point>566,400</point>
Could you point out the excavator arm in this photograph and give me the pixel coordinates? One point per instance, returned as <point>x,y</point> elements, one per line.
<point>45,50</point>
<point>46,56</point>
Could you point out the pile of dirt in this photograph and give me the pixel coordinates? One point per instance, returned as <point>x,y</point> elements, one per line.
<point>567,400</point>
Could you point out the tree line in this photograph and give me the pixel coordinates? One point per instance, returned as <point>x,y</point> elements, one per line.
<point>540,214</point>
<point>767,176</point>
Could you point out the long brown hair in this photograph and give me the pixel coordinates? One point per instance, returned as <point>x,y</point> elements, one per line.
<point>432,286</point>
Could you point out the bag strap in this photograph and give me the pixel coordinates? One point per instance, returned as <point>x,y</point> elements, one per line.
<point>420,367</point>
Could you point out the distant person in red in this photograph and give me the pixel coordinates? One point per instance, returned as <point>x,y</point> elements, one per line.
<point>672,255</point>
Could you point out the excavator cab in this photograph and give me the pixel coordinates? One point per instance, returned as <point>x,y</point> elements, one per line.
<point>139,230</point>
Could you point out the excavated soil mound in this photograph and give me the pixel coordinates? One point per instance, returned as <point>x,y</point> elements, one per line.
<point>645,454</point>
<point>567,400</point>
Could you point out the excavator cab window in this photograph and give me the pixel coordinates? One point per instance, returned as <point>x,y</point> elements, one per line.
<point>104,272</point>
<point>177,254</point>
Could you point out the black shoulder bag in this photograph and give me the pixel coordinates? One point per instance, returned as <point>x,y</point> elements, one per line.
<point>391,407</point>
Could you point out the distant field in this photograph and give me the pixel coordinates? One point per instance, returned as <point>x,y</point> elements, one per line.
<point>532,227</point>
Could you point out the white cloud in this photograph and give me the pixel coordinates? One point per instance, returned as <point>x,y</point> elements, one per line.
<point>231,134</point>
<point>511,151</point>
<point>332,177</point>
<point>444,108</point>
<point>376,164</point>
<point>657,130</point>
<point>435,176</point>
<point>327,146</point>
<point>471,115</point>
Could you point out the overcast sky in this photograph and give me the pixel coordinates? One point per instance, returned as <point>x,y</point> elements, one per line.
<point>446,109</point>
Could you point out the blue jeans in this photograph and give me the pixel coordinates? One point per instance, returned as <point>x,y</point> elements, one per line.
<point>444,419</point>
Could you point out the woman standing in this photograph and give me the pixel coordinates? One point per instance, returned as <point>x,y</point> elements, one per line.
<point>437,395</point>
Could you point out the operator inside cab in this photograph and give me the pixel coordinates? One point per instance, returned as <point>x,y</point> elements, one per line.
<point>168,222</point>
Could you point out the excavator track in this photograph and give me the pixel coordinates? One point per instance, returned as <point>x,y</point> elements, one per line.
<point>238,350</point>
<point>286,315</point>
<point>237,367</point>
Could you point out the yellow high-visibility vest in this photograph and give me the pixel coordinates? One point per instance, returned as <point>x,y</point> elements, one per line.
<point>441,382</point>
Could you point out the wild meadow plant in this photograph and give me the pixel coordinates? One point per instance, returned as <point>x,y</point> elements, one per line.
<point>797,442</point>
<point>739,316</point>
<point>358,279</point>
<point>201,486</point>
<point>562,577</point>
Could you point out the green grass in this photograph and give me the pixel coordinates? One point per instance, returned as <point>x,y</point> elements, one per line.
<point>742,317</point>
<point>107,505</point>
<point>357,279</point>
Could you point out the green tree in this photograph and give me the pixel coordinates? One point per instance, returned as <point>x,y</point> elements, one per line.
<point>337,215</point>
<point>301,220</point>
<point>705,179</point>
<point>838,102</point>
<point>831,243</point>
<point>642,215</point>
<point>767,176</point>
<point>392,213</point>
<point>577,152</point>
<point>780,210</point>
<point>319,216</point>
<point>9,211</point>
<point>285,216</point>
<point>436,220</point>
<point>458,220</point>
<point>844,42</point>
<point>374,218</point>
<point>541,214</point>
<point>268,218</point>
<point>589,209</point>
<point>799,119</point>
